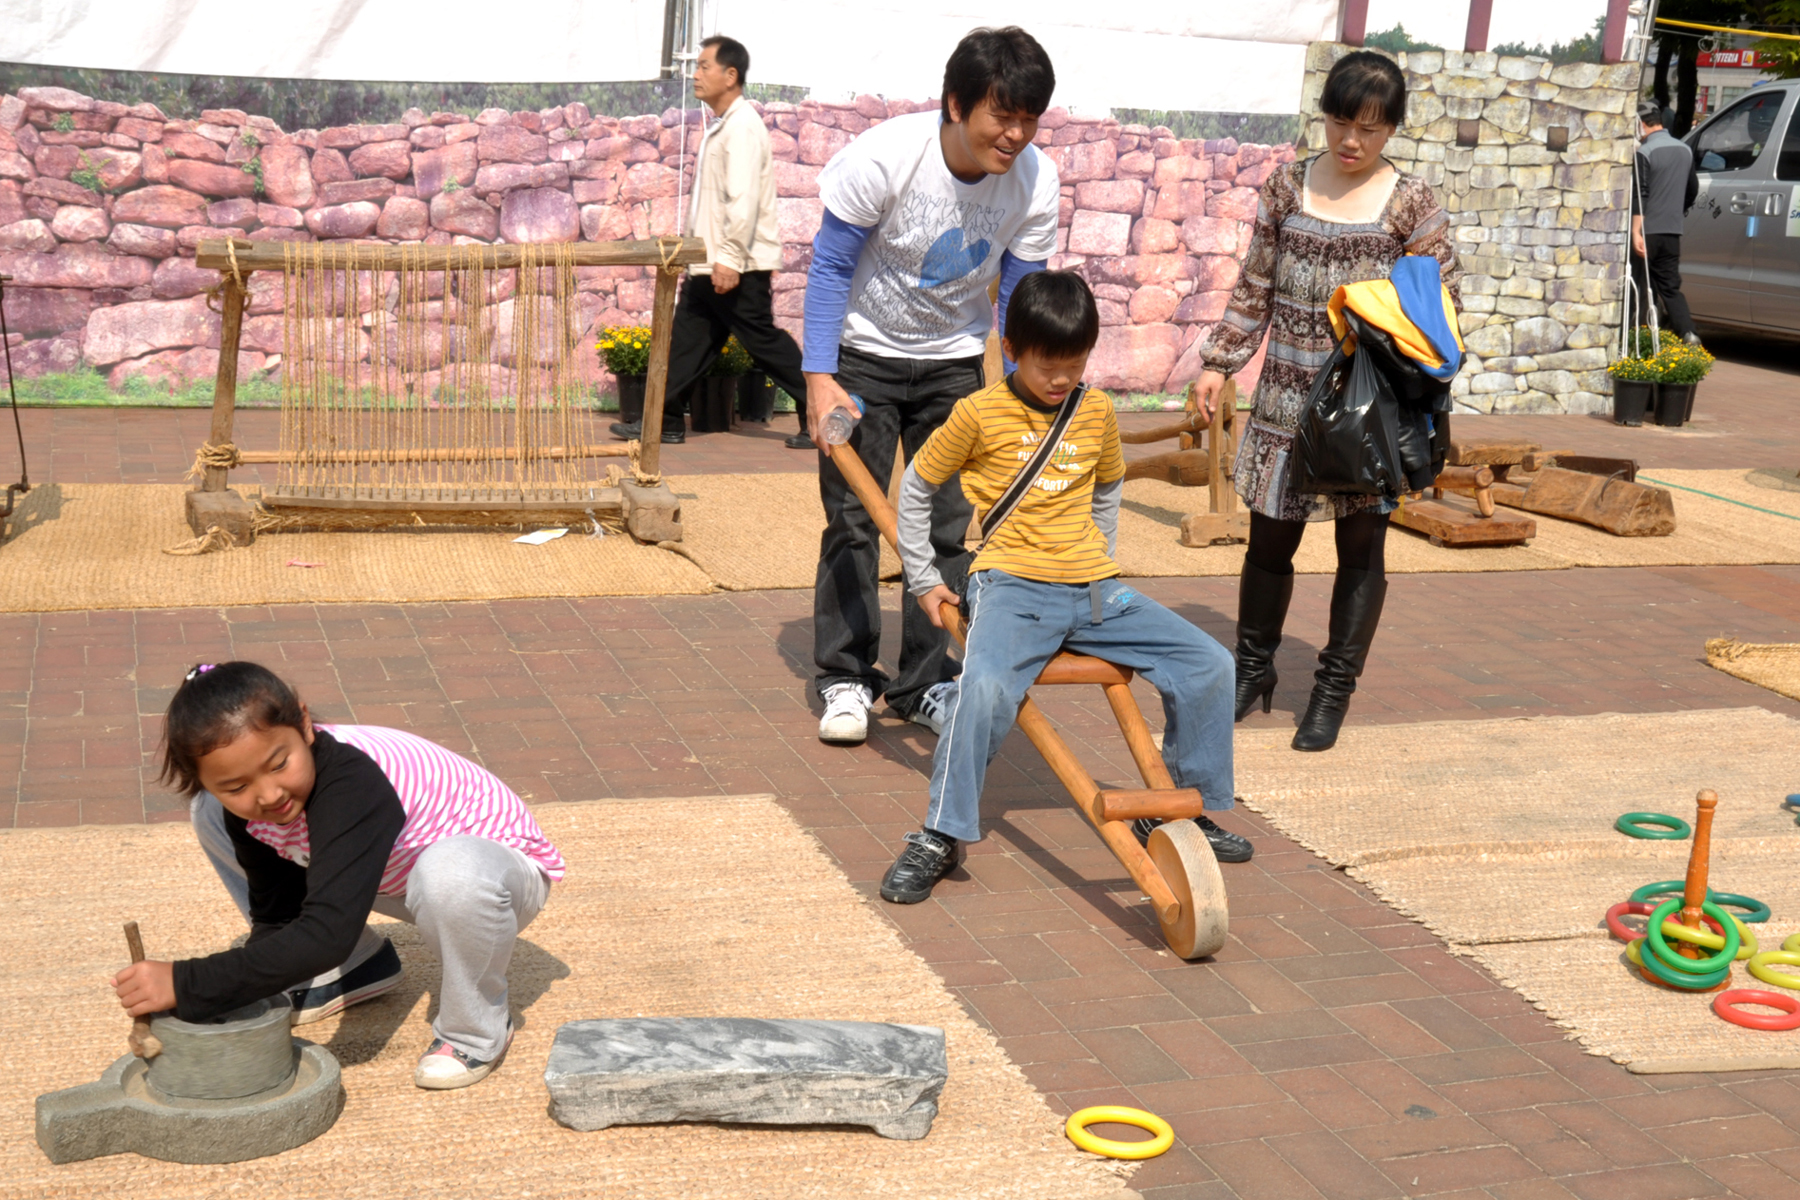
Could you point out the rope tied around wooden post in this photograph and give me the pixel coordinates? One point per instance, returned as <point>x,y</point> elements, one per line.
<point>226,457</point>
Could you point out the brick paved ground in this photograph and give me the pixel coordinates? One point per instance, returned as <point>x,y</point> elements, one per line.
<point>1332,1049</point>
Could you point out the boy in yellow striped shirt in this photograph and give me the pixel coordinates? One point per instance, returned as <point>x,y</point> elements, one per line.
<point>1044,580</point>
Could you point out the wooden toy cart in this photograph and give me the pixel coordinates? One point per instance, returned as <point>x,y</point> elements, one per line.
<point>1179,873</point>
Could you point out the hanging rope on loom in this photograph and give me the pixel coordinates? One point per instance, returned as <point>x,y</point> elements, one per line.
<point>455,383</point>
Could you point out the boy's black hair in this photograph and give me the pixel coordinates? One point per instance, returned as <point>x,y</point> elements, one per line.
<point>213,705</point>
<point>1362,81</point>
<point>729,52</point>
<point>1053,313</point>
<point>1005,66</point>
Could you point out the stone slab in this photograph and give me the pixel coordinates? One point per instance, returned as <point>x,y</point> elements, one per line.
<point>740,1070</point>
<point>122,1114</point>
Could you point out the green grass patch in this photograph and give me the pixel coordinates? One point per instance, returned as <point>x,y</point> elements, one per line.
<point>89,389</point>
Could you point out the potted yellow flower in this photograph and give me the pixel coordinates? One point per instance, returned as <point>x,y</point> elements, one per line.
<point>1680,368</point>
<point>715,394</point>
<point>625,349</point>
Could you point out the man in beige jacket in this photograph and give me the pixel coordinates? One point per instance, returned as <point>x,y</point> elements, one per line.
<point>733,212</point>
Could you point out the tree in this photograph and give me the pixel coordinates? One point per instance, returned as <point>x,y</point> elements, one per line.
<point>1681,47</point>
<point>1396,41</point>
<point>1589,47</point>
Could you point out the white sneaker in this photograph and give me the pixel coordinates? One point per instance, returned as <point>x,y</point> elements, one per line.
<point>846,718</point>
<point>444,1067</point>
<point>935,707</point>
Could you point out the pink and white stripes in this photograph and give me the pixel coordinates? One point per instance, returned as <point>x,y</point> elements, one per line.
<point>444,795</point>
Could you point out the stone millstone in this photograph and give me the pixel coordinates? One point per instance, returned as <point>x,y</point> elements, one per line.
<point>121,1114</point>
<point>643,1071</point>
<point>224,1091</point>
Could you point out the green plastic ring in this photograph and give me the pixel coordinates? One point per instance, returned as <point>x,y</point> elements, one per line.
<point>1673,828</point>
<point>1759,967</point>
<point>1651,890</point>
<point>1755,911</point>
<point>1689,983</point>
<point>1660,948</point>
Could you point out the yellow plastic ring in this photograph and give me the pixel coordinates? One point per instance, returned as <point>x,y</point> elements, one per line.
<point>1760,966</point>
<point>1077,1125</point>
<point>1792,945</point>
<point>1712,941</point>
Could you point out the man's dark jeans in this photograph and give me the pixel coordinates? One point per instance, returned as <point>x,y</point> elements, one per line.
<point>904,401</point>
<point>1664,283</point>
<point>705,319</point>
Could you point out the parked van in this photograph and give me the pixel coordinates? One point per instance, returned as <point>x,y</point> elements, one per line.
<point>1740,247</point>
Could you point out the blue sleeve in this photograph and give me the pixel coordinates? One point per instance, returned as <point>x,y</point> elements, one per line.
<point>836,250</point>
<point>1011,271</point>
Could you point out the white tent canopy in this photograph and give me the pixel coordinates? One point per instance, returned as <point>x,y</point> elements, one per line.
<point>1210,55</point>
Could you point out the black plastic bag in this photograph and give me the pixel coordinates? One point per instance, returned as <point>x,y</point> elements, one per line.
<point>1348,440</point>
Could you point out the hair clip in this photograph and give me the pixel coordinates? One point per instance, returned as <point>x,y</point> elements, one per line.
<point>198,671</point>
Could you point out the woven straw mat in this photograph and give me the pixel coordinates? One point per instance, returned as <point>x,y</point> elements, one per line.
<point>1776,667</point>
<point>1498,836</point>
<point>700,907</point>
<point>97,546</point>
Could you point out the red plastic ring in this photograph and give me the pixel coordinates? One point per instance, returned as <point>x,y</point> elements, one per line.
<point>1640,908</point>
<point>1725,1005</point>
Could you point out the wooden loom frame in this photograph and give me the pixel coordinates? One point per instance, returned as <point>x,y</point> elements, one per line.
<point>650,510</point>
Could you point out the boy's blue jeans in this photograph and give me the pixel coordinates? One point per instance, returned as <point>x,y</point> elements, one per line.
<point>1020,625</point>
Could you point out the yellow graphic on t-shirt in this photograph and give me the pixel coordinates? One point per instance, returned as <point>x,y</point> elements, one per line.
<point>1065,459</point>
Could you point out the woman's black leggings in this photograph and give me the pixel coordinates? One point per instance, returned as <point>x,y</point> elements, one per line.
<point>1361,542</point>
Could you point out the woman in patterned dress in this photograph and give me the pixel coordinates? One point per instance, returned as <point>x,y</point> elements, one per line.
<point>1343,216</point>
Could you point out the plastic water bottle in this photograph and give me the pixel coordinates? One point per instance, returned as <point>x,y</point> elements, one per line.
<point>841,423</point>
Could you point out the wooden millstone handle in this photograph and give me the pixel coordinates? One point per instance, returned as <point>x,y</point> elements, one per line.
<point>143,1043</point>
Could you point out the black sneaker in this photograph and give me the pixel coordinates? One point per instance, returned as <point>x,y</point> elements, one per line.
<point>927,858</point>
<point>629,430</point>
<point>1227,847</point>
<point>798,441</point>
<point>374,976</point>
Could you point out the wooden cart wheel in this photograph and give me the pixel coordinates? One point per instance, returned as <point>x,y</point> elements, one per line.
<point>1183,855</point>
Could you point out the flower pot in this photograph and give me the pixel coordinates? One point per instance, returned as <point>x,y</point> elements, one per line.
<point>1674,403</point>
<point>711,403</point>
<point>1632,398</point>
<point>631,398</point>
<point>755,397</point>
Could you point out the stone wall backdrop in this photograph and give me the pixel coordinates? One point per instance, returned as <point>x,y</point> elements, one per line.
<point>1541,233</point>
<point>103,204</point>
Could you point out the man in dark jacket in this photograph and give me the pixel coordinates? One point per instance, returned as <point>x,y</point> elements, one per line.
<point>1665,186</point>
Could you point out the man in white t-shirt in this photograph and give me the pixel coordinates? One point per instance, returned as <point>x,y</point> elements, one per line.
<point>922,213</point>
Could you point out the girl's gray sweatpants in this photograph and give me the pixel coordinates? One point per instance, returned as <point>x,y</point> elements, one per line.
<point>470,899</point>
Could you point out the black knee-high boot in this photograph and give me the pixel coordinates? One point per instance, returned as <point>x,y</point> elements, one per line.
<point>1263,598</point>
<point>1356,599</point>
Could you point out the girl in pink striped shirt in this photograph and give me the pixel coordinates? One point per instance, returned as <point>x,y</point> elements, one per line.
<point>312,828</point>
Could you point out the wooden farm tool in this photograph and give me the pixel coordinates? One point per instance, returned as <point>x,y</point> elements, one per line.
<point>1198,463</point>
<point>1452,523</point>
<point>1610,502</point>
<point>1179,873</point>
<point>143,1043</point>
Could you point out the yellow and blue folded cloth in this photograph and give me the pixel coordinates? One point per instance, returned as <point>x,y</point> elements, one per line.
<point>1413,307</point>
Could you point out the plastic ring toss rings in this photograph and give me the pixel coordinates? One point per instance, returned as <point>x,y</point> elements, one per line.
<point>1076,1128</point>
<point>1660,948</point>
<point>1755,911</point>
<point>1673,828</point>
<point>1675,979</point>
<point>1762,967</point>
<point>1674,929</point>
<point>1725,1004</point>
